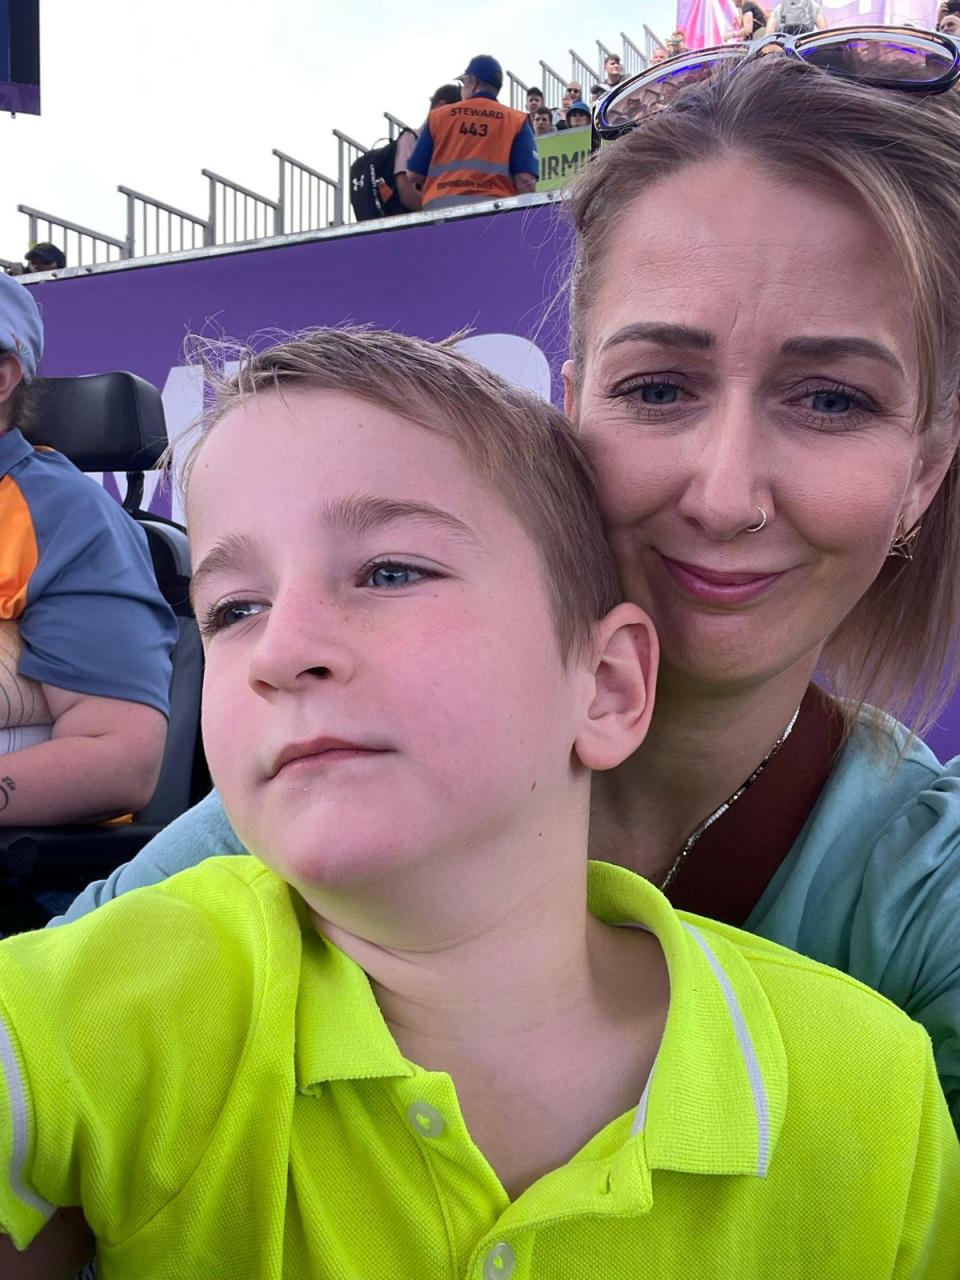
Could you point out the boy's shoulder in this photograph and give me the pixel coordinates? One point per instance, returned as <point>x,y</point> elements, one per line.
<point>154,1011</point>
<point>795,983</point>
<point>226,924</point>
<point>835,1030</point>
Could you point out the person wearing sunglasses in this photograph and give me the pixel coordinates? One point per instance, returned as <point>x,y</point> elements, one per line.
<point>774,422</point>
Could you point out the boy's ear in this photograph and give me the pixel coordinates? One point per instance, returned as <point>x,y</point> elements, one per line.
<point>626,657</point>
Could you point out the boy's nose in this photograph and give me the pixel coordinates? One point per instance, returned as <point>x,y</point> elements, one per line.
<point>303,639</point>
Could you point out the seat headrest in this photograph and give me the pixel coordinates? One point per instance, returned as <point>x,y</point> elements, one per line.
<point>103,421</point>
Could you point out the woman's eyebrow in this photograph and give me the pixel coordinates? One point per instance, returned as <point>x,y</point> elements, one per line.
<point>663,334</point>
<point>827,348</point>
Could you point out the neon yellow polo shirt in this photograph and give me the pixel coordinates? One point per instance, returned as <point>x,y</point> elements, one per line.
<point>214,1083</point>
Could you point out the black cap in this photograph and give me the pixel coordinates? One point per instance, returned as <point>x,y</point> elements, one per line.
<point>47,253</point>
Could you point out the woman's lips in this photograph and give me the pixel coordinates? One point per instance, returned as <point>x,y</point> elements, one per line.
<point>710,586</point>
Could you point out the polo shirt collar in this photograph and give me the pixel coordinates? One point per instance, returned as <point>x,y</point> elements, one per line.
<point>13,449</point>
<point>340,1032</point>
<point>715,1099</point>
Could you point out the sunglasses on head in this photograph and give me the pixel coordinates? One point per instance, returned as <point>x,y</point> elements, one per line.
<point>899,58</point>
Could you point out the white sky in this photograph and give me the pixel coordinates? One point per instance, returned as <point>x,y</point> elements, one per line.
<point>147,92</point>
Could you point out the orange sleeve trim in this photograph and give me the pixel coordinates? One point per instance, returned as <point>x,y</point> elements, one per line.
<point>18,549</point>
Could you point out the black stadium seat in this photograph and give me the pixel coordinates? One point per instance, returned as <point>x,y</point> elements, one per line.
<point>114,422</point>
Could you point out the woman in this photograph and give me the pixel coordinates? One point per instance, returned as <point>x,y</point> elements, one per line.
<point>774,432</point>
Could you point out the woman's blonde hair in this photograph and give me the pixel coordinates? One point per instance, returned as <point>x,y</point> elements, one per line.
<point>519,444</point>
<point>899,155</point>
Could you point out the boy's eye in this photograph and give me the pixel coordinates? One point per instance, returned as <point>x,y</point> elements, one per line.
<point>227,614</point>
<point>389,573</point>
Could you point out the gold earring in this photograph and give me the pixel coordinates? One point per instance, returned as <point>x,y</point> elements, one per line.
<point>904,540</point>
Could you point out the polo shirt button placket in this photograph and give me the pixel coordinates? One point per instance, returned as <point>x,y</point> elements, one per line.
<point>499,1262</point>
<point>425,1120</point>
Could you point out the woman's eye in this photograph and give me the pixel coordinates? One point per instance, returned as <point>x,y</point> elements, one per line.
<point>831,402</point>
<point>659,393</point>
<point>394,575</point>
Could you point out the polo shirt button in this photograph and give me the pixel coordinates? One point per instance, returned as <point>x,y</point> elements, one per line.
<point>499,1263</point>
<point>425,1120</point>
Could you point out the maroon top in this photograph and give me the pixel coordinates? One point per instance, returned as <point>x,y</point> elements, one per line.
<point>727,870</point>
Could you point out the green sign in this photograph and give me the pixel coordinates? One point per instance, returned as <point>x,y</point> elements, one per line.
<point>561,155</point>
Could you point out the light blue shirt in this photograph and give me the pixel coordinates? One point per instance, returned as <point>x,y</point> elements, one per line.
<point>872,885</point>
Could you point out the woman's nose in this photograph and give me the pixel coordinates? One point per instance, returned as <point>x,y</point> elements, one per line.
<point>728,476</point>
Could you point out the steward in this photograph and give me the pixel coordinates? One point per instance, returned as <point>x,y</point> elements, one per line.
<point>476,149</point>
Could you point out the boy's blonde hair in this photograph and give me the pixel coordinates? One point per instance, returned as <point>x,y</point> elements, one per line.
<point>517,443</point>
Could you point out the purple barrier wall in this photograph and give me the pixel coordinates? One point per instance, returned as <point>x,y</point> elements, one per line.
<point>495,274</point>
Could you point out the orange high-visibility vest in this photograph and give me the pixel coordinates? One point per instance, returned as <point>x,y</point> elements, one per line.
<point>472,141</point>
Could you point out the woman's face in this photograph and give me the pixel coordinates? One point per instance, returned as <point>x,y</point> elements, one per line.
<point>749,347</point>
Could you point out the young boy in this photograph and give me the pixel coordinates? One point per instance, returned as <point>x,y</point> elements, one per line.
<point>396,1041</point>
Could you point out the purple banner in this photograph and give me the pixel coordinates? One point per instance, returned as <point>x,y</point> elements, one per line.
<point>498,275</point>
<point>20,97</point>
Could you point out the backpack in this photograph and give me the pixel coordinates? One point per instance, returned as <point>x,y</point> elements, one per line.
<point>372,190</point>
<point>797,17</point>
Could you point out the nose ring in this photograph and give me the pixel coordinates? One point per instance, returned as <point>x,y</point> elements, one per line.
<point>755,528</point>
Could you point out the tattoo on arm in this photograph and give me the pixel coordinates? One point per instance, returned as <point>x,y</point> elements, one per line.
<point>7,785</point>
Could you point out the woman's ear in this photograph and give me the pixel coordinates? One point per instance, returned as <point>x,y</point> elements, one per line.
<point>930,472</point>
<point>626,656</point>
<point>569,402</point>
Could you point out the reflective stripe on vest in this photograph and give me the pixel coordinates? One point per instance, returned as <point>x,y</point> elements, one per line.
<point>472,142</point>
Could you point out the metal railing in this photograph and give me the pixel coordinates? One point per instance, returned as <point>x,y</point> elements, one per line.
<point>603,53</point>
<point>395,127</point>
<point>583,73</point>
<point>518,92</point>
<point>307,199</point>
<point>651,42</point>
<point>238,214</point>
<point>554,85</point>
<point>153,226</point>
<point>81,245</point>
<point>348,150</point>
<point>634,59</point>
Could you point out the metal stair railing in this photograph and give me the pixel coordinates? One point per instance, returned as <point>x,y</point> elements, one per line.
<point>307,199</point>
<point>238,214</point>
<point>651,42</point>
<point>583,73</point>
<point>633,59</point>
<point>348,150</point>
<point>554,85</point>
<point>518,92</point>
<point>73,234</point>
<point>603,53</point>
<point>153,226</point>
<point>395,127</point>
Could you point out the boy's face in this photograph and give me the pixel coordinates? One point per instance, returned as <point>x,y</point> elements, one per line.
<point>383,685</point>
